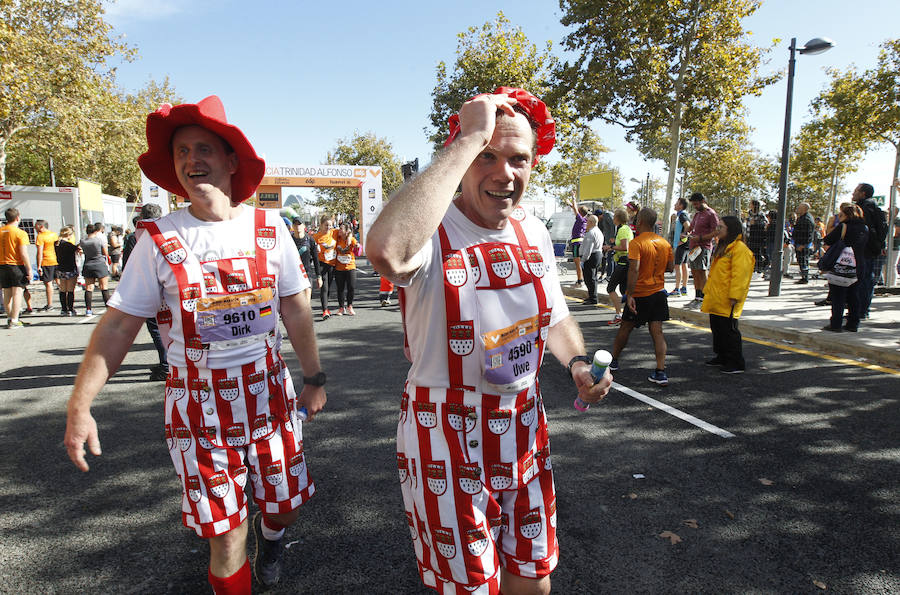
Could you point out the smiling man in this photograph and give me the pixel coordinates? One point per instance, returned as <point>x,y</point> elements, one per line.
<point>482,301</point>
<point>216,275</point>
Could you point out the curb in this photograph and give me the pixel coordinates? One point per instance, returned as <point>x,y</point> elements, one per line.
<point>795,338</point>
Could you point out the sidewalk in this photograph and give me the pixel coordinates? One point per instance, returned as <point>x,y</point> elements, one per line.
<point>792,319</point>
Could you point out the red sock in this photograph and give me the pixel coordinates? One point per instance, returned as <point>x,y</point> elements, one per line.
<point>236,584</point>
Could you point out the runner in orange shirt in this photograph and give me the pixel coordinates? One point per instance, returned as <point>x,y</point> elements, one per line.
<point>46,259</point>
<point>345,267</point>
<point>326,242</point>
<point>649,259</point>
<point>15,267</point>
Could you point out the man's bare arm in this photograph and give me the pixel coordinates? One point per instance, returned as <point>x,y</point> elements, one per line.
<point>417,208</point>
<point>565,341</point>
<point>296,315</point>
<point>107,348</point>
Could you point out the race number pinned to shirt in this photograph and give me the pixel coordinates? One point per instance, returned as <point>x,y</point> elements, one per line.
<point>226,318</point>
<point>511,355</point>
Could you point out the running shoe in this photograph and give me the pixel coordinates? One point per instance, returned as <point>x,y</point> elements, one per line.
<point>340,311</point>
<point>732,370</point>
<point>158,372</point>
<point>88,312</point>
<point>28,311</point>
<point>659,377</point>
<point>590,301</point>
<point>350,311</point>
<point>613,365</point>
<point>684,291</point>
<point>14,324</point>
<point>614,321</point>
<point>268,559</point>
<point>46,308</point>
<point>674,293</point>
<point>326,314</point>
<point>385,303</point>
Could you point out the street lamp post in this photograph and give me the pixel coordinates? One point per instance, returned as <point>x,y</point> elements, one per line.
<point>816,45</point>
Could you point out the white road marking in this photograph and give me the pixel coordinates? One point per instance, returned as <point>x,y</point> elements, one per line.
<point>672,411</point>
<point>87,319</point>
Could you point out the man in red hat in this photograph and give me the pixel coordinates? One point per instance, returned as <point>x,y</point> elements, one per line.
<point>481,303</point>
<point>216,275</point>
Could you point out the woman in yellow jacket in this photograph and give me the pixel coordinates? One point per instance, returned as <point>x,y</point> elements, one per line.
<point>725,292</point>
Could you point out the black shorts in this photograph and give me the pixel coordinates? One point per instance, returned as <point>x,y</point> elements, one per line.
<point>48,273</point>
<point>618,278</point>
<point>651,308</point>
<point>681,253</point>
<point>576,248</point>
<point>95,271</point>
<point>13,275</point>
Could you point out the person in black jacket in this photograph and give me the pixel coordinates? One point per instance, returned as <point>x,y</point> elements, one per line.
<point>802,236</point>
<point>308,250</point>
<point>874,219</point>
<point>855,234</point>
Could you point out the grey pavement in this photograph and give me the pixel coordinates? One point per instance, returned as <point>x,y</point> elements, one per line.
<point>790,318</point>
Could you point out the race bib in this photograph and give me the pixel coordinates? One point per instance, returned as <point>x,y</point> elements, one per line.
<point>345,259</point>
<point>512,355</point>
<point>238,317</point>
<point>328,255</point>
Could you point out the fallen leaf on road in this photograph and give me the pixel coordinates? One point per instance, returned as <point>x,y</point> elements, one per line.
<point>692,523</point>
<point>632,495</point>
<point>766,482</point>
<point>820,584</point>
<point>729,514</point>
<point>673,539</point>
<point>288,545</point>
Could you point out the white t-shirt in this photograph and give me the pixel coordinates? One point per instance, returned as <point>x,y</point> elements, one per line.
<point>426,317</point>
<point>149,280</point>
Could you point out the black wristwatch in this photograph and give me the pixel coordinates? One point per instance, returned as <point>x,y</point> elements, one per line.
<point>315,380</point>
<point>578,358</point>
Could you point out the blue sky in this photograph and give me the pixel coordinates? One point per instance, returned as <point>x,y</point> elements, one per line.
<point>297,76</point>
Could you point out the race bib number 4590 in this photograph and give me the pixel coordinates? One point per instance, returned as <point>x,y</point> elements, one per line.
<point>512,355</point>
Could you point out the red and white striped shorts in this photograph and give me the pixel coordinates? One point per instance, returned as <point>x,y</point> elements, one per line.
<point>213,474</point>
<point>477,487</point>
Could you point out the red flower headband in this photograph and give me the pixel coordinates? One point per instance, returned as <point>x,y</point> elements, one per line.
<point>536,111</point>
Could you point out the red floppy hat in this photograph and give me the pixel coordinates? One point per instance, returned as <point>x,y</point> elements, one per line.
<point>208,113</point>
<point>537,112</point>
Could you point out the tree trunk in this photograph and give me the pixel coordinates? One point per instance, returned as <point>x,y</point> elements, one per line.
<point>675,127</point>
<point>3,161</point>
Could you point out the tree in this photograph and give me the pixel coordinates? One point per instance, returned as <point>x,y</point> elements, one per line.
<point>102,145</point>
<point>721,162</point>
<point>822,155</point>
<point>54,64</point>
<point>360,149</point>
<point>579,157</point>
<point>493,55</point>
<point>869,103</point>
<point>659,66</point>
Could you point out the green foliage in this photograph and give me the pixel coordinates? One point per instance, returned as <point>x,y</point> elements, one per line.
<point>499,54</point>
<point>54,66</point>
<point>865,108</point>
<point>99,143</point>
<point>721,162</point>
<point>360,149</point>
<point>630,54</point>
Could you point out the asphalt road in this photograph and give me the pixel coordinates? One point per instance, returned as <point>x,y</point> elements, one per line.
<point>804,496</point>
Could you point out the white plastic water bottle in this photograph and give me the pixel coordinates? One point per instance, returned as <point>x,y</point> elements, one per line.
<point>302,414</point>
<point>602,358</point>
